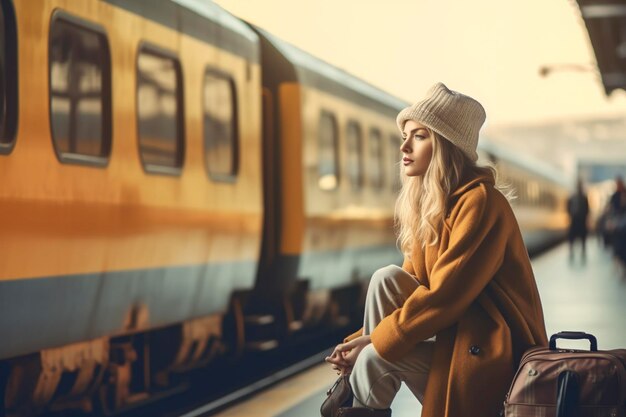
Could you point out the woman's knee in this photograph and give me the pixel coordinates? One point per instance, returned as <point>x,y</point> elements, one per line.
<point>386,274</point>
<point>390,276</point>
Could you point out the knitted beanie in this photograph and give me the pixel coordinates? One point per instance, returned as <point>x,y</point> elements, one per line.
<point>453,115</point>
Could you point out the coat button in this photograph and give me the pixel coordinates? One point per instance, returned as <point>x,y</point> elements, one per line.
<point>474,350</point>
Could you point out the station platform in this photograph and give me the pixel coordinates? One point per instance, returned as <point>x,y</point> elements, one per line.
<point>587,296</point>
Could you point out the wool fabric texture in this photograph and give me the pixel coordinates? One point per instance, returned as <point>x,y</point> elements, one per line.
<point>455,116</point>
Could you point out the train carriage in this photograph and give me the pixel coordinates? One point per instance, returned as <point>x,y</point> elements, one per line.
<point>540,191</point>
<point>131,198</point>
<point>330,188</point>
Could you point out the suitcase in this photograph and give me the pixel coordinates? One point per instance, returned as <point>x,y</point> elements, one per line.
<point>552,382</point>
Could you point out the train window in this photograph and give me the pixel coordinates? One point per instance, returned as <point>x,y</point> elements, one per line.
<point>394,161</point>
<point>80,91</point>
<point>375,160</point>
<point>523,192</point>
<point>160,111</point>
<point>354,143</point>
<point>8,77</point>
<point>532,191</point>
<point>220,126</point>
<point>327,148</point>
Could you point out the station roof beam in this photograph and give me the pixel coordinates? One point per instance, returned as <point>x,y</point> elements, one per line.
<point>606,25</point>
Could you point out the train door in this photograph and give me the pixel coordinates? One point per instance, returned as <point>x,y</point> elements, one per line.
<point>269,246</point>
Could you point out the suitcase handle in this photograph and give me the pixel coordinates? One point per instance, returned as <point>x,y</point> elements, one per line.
<point>574,336</point>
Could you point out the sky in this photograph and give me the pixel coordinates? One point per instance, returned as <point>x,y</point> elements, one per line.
<point>489,49</point>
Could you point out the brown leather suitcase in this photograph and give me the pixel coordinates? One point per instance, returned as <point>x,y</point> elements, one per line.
<point>553,382</point>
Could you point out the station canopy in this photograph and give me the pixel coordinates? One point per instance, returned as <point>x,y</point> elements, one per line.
<point>606,24</point>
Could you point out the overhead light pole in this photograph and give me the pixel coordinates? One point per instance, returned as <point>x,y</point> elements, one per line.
<point>546,70</point>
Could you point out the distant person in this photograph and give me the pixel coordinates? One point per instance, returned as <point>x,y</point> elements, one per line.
<point>578,210</point>
<point>617,219</point>
<point>454,320</point>
<point>617,202</point>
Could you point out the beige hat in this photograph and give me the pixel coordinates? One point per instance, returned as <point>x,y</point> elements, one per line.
<point>453,115</point>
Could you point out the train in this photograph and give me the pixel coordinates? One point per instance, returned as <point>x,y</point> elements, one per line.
<point>177,181</point>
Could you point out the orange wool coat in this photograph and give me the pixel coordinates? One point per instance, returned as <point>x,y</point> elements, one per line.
<point>479,296</point>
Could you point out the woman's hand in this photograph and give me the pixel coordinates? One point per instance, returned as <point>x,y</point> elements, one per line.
<point>344,356</point>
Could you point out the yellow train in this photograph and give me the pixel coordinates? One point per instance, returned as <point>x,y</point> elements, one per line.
<point>173,179</point>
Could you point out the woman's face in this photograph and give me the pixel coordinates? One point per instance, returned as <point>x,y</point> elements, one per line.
<point>417,148</point>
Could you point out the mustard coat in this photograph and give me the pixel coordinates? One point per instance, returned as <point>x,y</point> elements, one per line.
<point>479,296</point>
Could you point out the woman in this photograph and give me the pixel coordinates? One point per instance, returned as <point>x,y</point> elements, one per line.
<point>453,322</point>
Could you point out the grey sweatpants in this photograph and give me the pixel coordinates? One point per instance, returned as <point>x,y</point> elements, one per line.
<point>375,381</point>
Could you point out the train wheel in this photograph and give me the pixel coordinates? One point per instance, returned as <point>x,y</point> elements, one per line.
<point>127,381</point>
<point>30,385</point>
<point>189,345</point>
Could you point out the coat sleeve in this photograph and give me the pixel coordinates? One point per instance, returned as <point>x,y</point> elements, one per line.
<point>353,335</point>
<point>474,253</point>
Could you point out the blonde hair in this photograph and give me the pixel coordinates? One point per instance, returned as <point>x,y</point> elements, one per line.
<point>423,201</point>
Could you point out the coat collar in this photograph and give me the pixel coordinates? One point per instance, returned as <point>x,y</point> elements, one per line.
<point>470,181</point>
